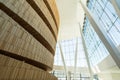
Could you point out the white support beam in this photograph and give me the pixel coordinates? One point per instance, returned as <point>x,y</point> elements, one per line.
<point>75,60</point>
<point>86,54</point>
<point>113,50</point>
<point>63,60</point>
<point>116,5</point>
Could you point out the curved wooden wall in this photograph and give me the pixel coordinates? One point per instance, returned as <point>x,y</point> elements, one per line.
<point>28,36</point>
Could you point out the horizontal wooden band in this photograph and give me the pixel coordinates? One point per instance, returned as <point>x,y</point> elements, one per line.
<point>41,14</point>
<point>51,12</point>
<point>26,60</point>
<point>27,27</point>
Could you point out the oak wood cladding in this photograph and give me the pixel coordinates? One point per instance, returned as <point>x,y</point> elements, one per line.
<point>20,72</point>
<point>26,60</point>
<point>51,12</point>
<point>41,14</point>
<point>53,7</point>
<point>27,39</point>
<point>27,27</point>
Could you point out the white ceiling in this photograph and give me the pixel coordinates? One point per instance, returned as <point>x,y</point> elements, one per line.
<point>69,25</point>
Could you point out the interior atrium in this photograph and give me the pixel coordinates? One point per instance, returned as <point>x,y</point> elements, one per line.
<point>59,39</point>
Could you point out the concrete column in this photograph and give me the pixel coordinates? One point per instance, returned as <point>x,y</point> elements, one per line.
<point>86,53</point>
<point>114,52</point>
<point>76,52</point>
<point>63,60</point>
<point>69,75</point>
<point>116,5</point>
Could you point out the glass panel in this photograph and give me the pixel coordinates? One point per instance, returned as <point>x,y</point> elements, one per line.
<point>110,22</point>
<point>107,18</point>
<point>96,50</point>
<point>68,49</point>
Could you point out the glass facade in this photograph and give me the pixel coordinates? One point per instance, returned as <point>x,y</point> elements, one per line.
<point>96,49</point>
<point>57,58</point>
<point>62,76</point>
<point>106,16</point>
<point>68,49</point>
<point>59,74</point>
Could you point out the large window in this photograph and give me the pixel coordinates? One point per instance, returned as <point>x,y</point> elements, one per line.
<point>62,76</point>
<point>96,50</point>
<point>107,17</point>
<point>58,59</point>
<point>68,49</point>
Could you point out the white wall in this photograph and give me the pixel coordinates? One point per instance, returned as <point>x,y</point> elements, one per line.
<point>107,69</point>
